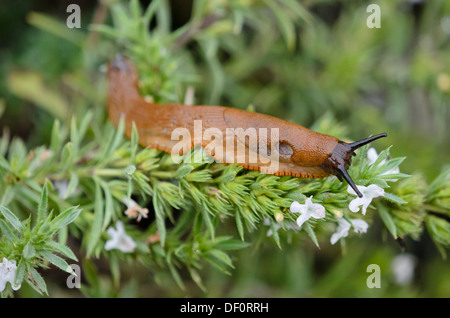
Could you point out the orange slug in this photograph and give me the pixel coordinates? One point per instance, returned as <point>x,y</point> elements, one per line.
<point>300,151</point>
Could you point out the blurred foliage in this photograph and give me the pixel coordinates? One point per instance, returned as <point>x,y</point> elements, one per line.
<point>314,63</point>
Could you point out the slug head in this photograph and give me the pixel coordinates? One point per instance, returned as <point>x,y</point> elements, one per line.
<point>341,158</point>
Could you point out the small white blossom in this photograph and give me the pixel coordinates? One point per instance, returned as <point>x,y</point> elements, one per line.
<point>276,226</point>
<point>359,226</point>
<point>119,239</point>
<point>7,273</point>
<point>372,156</point>
<point>307,210</point>
<point>134,210</point>
<point>403,268</point>
<point>369,192</point>
<point>62,186</point>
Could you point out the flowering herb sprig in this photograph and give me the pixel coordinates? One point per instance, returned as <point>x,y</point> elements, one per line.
<point>92,166</point>
<point>24,247</point>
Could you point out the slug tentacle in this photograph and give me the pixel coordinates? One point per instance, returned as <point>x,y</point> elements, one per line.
<point>357,144</point>
<point>341,158</point>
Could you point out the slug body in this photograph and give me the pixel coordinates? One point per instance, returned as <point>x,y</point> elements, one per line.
<point>300,151</point>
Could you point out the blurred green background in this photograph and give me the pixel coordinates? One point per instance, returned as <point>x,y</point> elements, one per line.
<point>357,80</point>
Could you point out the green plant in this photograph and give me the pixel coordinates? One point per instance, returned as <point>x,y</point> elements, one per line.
<point>200,213</point>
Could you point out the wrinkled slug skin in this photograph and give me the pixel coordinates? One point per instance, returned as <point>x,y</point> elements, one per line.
<point>303,152</point>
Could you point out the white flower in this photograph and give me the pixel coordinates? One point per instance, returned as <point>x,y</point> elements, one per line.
<point>307,210</point>
<point>62,186</point>
<point>369,192</point>
<point>119,239</point>
<point>403,268</point>
<point>276,226</point>
<point>7,273</point>
<point>360,226</point>
<point>134,210</point>
<point>372,155</point>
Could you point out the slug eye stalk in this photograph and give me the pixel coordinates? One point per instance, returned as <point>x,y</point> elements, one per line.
<point>357,144</point>
<point>341,158</point>
<point>344,174</point>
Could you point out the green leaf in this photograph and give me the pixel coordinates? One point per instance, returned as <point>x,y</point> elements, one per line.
<point>37,279</point>
<point>381,183</point>
<point>31,86</point>
<point>84,125</point>
<point>66,156</point>
<point>198,176</point>
<point>275,234</point>
<point>208,222</point>
<point>394,198</point>
<point>309,230</point>
<point>159,214</point>
<point>129,170</point>
<point>73,184</point>
<point>239,224</point>
<point>222,257</point>
<point>43,205</point>
<point>394,176</point>
<point>109,206</point>
<point>57,28</point>
<point>4,145</point>
<point>184,170</point>
<point>65,218</point>
<point>135,8</point>
<point>391,164</point>
<point>150,11</point>
<point>439,230</point>
<point>387,220</point>
<point>6,231</point>
<point>11,218</point>
<point>118,137</point>
<point>176,276</point>
<point>230,244</point>
<point>218,264</point>
<point>29,251</point>
<point>56,137</point>
<point>62,249</point>
<point>438,182</point>
<point>96,228</point>
<point>20,272</point>
<point>58,262</point>
<point>196,278</point>
<point>287,27</point>
<point>134,143</point>
<point>4,164</point>
<point>115,268</point>
<point>382,156</point>
<point>74,135</point>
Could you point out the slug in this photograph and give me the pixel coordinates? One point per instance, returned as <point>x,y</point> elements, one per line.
<point>300,151</point>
